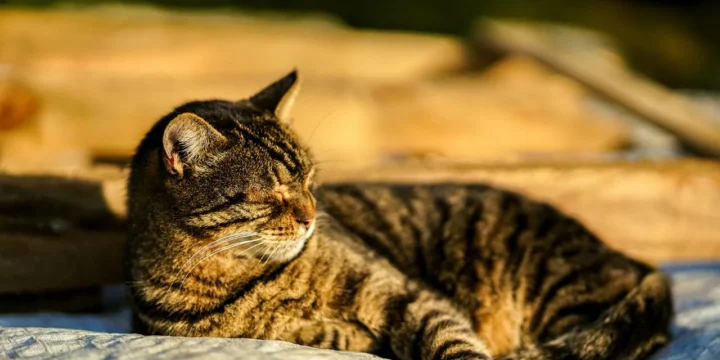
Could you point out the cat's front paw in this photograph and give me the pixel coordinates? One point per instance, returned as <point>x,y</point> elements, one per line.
<point>469,348</point>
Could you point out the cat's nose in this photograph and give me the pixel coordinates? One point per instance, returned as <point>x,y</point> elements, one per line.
<point>305,221</point>
<point>304,215</point>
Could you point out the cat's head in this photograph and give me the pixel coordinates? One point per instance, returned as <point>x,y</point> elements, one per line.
<point>231,168</point>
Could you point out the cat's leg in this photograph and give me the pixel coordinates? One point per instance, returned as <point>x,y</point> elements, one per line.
<point>432,329</point>
<point>618,311</point>
<point>329,334</point>
<point>419,324</point>
<point>413,325</point>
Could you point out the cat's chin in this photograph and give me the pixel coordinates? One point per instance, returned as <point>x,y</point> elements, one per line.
<point>293,251</point>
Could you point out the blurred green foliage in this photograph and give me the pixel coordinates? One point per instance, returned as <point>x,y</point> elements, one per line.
<point>674,42</point>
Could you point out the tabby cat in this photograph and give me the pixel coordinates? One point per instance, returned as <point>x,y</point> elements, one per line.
<point>230,238</point>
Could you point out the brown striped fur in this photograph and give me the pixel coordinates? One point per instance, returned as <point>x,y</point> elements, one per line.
<point>226,240</point>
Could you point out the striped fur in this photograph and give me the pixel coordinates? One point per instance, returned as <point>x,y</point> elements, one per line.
<point>225,241</point>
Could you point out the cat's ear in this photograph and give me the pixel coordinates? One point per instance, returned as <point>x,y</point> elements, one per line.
<point>188,141</point>
<point>278,97</point>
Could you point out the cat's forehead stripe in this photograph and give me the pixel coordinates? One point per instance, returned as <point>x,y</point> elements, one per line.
<point>278,138</point>
<point>280,172</point>
<point>276,152</point>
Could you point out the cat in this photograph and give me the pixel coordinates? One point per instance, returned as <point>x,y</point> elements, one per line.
<point>229,236</point>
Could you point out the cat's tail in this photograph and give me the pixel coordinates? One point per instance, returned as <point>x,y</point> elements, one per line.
<point>629,330</point>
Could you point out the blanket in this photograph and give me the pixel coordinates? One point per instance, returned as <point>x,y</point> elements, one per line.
<point>695,331</point>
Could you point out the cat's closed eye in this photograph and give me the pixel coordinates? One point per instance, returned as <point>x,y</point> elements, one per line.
<point>281,193</point>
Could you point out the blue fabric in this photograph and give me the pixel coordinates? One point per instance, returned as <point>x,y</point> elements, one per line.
<point>696,328</point>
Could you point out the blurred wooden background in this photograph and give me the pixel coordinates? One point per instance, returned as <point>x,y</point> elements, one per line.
<point>366,95</point>
<point>547,110</point>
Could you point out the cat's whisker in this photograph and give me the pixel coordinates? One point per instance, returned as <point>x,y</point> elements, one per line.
<point>287,246</point>
<point>317,126</point>
<point>218,242</point>
<point>219,251</point>
<point>235,236</point>
<point>248,249</point>
<point>211,254</point>
<point>271,254</point>
<point>265,251</point>
<point>225,248</point>
<point>215,244</point>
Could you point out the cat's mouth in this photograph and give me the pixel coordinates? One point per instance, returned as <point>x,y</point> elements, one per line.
<point>301,234</point>
<point>305,233</point>
<point>283,248</point>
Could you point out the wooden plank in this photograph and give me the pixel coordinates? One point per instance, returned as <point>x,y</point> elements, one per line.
<point>520,107</point>
<point>154,43</point>
<point>80,258</point>
<point>57,233</point>
<point>579,54</point>
<point>516,107</point>
<point>338,117</point>
<point>87,66</point>
<point>174,58</point>
<point>27,140</point>
<point>17,103</point>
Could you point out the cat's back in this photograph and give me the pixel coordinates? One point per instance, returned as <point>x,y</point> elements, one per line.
<point>420,208</point>
<point>420,226</point>
<point>437,196</point>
